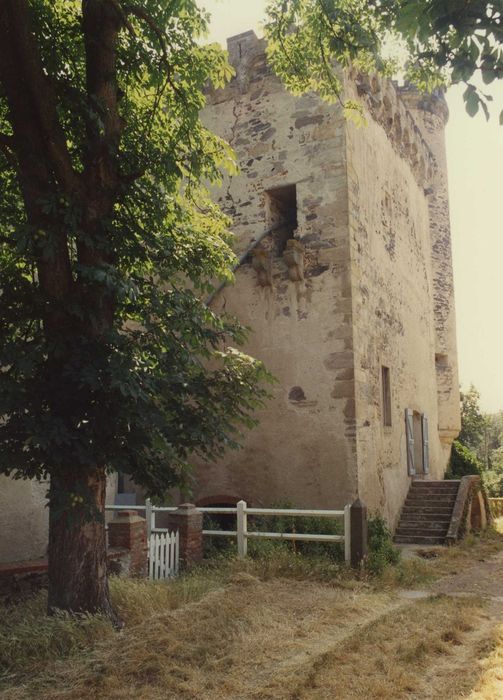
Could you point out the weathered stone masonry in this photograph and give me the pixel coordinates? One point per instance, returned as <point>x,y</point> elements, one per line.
<point>356,275</point>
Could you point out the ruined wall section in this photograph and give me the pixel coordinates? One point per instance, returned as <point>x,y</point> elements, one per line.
<point>389,164</point>
<point>298,302</point>
<point>431,114</point>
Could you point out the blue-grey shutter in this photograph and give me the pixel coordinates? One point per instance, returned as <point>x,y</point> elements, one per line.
<point>426,444</point>
<point>409,436</point>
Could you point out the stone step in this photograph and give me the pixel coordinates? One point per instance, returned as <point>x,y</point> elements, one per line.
<point>426,503</point>
<point>423,525</point>
<point>440,484</point>
<point>431,494</point>
<point>431,510</point>
<point>428,493</point>
<point>449,493</point>
<point>427,512</point>
<point>425,517</point>
<point>420,532</point>
<point>435,485</point>
<point>430,499</point>
<point>414,539</point>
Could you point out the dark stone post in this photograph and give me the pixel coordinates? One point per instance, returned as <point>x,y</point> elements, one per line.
<point>189,523</point>
<point>359,535</point>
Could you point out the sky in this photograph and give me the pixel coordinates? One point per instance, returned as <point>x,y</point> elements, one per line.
<point>475,170</point>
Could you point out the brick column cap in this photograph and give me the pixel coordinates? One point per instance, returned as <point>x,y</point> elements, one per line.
<point>186,507</point>
<point>127,516</point>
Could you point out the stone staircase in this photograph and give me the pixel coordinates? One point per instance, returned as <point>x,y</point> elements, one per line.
<point>427,512</point>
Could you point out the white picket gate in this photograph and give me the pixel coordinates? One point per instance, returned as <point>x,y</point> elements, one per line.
<point>163,555</point>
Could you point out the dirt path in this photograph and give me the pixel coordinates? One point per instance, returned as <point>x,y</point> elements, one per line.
<point>484,578</point>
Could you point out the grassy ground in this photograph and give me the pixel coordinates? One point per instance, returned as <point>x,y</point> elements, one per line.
<point>281,626</point>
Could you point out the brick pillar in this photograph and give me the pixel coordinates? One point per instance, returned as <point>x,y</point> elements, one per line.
<point>359,536</point>
<point>129,532</point>
<point>189,523</point>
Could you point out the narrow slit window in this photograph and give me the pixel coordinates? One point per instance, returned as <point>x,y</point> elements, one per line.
<point>441,360</point>
<point>282,212</point>
<point>386,396</point>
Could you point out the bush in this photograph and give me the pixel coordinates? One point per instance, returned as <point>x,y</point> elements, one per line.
<point>381,550</point>
<point>301,525</point>
<point>218,546</point>
<point>463,462</point>
<point>493,482</point>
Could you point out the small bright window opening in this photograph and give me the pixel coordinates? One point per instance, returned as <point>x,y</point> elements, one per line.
<point>281,205</point>
<point>386,395</point>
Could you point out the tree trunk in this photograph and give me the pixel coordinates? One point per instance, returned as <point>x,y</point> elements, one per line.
<point>77,546</point>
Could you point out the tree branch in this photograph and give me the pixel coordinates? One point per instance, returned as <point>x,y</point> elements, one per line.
<point>101,25</point>
<point>30,95</point>
<point>142,14</point>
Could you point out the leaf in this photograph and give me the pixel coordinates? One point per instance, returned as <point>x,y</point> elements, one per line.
<point>488,75</point>
<point>472,100</point>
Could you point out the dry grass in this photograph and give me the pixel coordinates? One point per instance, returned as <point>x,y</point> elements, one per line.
<point>490,685</point>
<point>279,640</point>
<point>418,652</point>
<point>228,644</point>
<point>279,627</point>
<point>30,642</point>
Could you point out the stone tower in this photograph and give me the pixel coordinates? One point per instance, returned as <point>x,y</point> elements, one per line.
<point>346,282</point>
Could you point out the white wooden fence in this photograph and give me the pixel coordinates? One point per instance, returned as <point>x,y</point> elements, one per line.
<point>163,555</point>
<point>243,534</point>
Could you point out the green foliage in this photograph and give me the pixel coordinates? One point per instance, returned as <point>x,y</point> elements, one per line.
<point>439,42</point>
<point>493,481</point>
<point>473,422</point>
<point>381,550</point>
<point>138,374</point>
<point>218,547</point>
<point>479,448</point>
<point>307,525</point>
<point>305,37</point>
<point>462,462</point>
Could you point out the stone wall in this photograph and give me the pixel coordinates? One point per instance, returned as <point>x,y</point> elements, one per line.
<point>375,289</point>
<point>24,518</point>
<point>394,323</point>
<point>430,114</point>
<point>304,448</point>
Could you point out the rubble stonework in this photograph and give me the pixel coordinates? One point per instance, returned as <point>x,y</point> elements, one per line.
<point>357,277</point>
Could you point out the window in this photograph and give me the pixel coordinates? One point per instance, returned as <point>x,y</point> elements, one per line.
<point>441,360</point>
<point>386,396</point>
<point>282,212</point>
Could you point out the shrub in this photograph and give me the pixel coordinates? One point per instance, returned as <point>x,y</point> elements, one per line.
<point>381,550</point>
<point>300,525</point>
<point>463,462</point>
<point>493,482</point>
<point>218,546</point>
